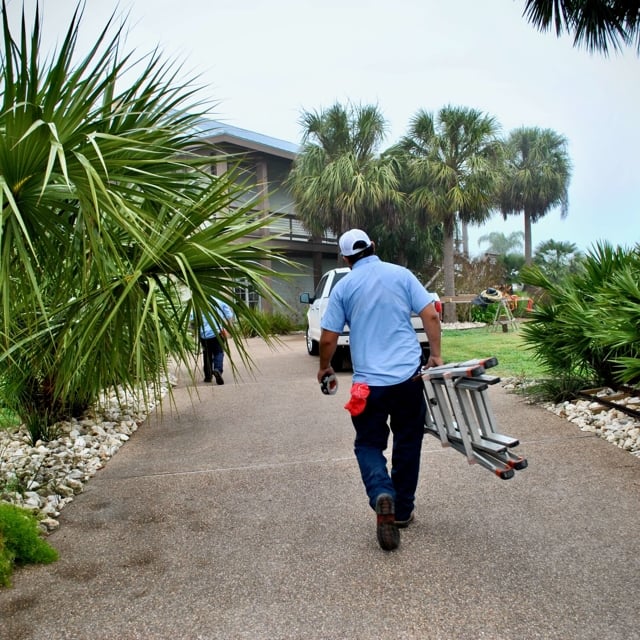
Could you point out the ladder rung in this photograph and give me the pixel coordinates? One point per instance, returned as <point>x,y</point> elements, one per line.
<point>460,416</point>
<point>500,438</point>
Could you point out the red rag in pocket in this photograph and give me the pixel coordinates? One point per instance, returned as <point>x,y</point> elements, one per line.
<point>358,400</point>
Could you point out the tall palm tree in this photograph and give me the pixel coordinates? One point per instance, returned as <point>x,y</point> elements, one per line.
<point>536,176</point>
<point>598,24</point>
<point>454,162</point>
<point>405,233</point>
<point>107,219</point>
<point>338,176</point>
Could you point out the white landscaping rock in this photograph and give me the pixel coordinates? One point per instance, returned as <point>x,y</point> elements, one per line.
<point>50,474</point>
<point>611,424</point>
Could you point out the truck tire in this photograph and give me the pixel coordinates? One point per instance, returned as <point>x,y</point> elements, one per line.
<point>313,348</point>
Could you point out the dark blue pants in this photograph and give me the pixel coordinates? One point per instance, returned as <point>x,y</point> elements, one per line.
<point>212,356</point>
<point>403,406</point>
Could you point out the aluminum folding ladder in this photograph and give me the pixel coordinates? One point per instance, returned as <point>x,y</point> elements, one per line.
<point>459,415</point>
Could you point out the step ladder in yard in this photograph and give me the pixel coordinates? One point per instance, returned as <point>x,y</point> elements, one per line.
<point>459,415</point>
<point>504,317</point>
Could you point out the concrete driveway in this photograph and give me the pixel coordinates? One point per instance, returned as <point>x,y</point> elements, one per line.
<point>240,514</point>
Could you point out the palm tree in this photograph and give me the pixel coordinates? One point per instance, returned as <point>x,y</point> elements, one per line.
<point>598,24</point>
<point>508,251</point>
<point>501,244</point>
<point>535,177</point>
<point>557,259</point>
<point>338,177</point>
<point>453,158</point>
<point>404,233</point>
<point>107,219</point>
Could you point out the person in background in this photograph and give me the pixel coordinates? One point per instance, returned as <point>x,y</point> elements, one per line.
<point>376,299</point>
<point>211,339</point>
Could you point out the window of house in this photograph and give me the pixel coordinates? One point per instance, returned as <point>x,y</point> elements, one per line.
<point>248,295</point>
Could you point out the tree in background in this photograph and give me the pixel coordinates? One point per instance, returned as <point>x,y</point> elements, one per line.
<point>338,176</point>
<point>598,24</point>
<point>453,159</point>
<point>557,259</point>
<point>108,219</point>
<point>404,232</point>
<point>507,250</point>
<point>501,244</point>
<point>535,177</point>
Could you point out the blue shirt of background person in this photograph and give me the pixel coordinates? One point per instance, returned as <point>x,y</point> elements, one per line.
<point>208,331</point>
<point>212,333</point>
<point>384,347</point>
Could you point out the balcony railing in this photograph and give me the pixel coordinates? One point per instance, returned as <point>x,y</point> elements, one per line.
<point>289,227</point>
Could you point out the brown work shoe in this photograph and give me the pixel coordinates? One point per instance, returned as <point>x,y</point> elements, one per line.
<point>386,529</point>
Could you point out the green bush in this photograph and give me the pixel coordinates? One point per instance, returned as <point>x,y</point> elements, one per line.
<point>276,324</point>
<point>109,217</point>
<point>478,313</point>
<point>6,564</point>
<point>20,541</point>
<point>588,325</point>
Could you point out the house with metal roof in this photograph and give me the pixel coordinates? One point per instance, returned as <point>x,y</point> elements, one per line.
<point>265,164</point>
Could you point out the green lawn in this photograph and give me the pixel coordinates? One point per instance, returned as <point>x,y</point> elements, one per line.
<point>514,359</point>
<point>8,419</point>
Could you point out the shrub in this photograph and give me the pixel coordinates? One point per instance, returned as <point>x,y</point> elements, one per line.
<point>6,564</point>
<point>588,325</point>
<point>109,216</point>
<point>20,541</point>
<point>275,323</point>
<point>479,313</point>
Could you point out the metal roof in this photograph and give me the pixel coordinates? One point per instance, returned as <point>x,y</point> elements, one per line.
<point>217,131</point>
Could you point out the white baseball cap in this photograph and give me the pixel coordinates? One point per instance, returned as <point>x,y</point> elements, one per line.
<point>350,239</point>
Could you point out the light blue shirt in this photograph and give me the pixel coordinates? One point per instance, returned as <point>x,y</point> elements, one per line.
<point>376,300</point>
<point>224,311</point>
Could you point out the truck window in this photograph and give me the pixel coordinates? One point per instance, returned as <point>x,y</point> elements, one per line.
<point>320,288</point>
<point>337,278</point>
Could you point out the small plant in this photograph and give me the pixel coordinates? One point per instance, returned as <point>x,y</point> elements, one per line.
<point>40,427</point>
<point>20,541</point>
<point>557,389</point>
<point>11,485</point>
<point>480,313</point>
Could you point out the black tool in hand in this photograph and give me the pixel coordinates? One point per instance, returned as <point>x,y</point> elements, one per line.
<point>329,384</point>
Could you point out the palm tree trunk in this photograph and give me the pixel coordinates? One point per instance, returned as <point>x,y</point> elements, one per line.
<point>528,254</point>
<point>449,312</point>
<point>465,240</point>
<point>344,226</point>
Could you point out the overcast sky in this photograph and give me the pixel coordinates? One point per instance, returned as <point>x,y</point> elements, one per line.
<point>261,63</point>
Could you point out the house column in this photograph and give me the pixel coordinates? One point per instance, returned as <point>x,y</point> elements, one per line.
<point>262,184</point>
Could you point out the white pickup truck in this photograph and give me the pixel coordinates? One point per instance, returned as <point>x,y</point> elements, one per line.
<point>317,306</point>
